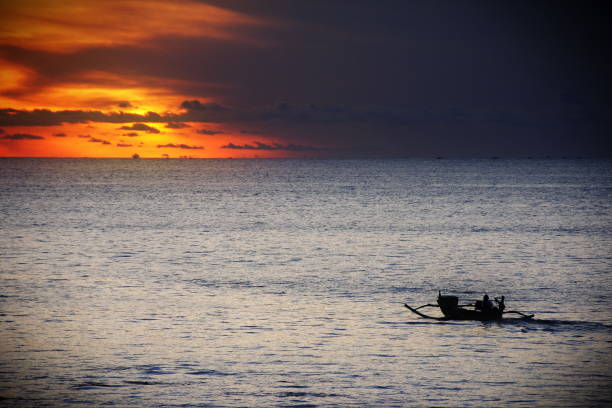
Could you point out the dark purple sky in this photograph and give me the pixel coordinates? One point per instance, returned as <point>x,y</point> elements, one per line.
<point>432,77</point>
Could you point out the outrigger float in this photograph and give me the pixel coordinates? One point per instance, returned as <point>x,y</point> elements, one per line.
<point>483,310</point>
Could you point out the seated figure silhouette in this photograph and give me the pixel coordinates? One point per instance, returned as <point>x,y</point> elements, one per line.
<point>485,304</point>
<point>500,304</point>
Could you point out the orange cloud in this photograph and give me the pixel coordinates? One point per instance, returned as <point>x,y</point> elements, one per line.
<point>70,25</point>
<point>14,78</point>
<point>94,89</point>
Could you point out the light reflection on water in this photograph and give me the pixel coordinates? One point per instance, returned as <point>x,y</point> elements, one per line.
<point>281,283</point>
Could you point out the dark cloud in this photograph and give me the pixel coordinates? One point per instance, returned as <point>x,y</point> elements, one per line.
<point>196,105</point>
<point>209,132</point>
<point>131,134</point>
<point>194,112</point>
<point>274,146</point>
<point>96,140</point>
<point>285,114</point>
<point>45,117</point>
<point>124,145</point>
<point>180,146</point>
<point>554,116</point>
<point>124,104</point>
<point>176,125</point>
<point>21,136</point>
<point>59,134</point>
<point>140,127</point>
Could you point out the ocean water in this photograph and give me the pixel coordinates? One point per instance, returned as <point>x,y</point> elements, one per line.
<point>281,283</point>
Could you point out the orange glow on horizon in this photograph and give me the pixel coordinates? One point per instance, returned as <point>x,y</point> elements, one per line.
<point>108,140</point>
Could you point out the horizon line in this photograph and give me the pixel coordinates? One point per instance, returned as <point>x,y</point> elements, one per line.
<point>547,157</point>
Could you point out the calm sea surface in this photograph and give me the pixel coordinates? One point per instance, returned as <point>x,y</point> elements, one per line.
<point>281,283</point>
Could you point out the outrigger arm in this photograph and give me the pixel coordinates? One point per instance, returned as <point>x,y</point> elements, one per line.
<point>528,316</point>
<point>417,308</point>
<point>416,311</point>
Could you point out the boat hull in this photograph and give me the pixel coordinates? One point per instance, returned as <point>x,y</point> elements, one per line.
<point>466,314</point>
<point>449,305</point>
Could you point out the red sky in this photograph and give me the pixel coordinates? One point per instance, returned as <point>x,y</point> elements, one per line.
<point>278,78</point>
<point>43,66</point>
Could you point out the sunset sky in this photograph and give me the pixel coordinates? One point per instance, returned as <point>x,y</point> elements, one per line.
<point>280,78</point>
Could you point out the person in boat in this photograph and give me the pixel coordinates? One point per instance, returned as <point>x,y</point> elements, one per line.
<point>500,303</point>
<point>485,304</point>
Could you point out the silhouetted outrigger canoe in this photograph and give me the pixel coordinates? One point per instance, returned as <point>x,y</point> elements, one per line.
<point>482,310</point>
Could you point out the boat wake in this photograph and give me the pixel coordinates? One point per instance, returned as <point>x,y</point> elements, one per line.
<point>574,325</point>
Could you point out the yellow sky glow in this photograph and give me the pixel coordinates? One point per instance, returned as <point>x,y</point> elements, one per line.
<point>96,90</point>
